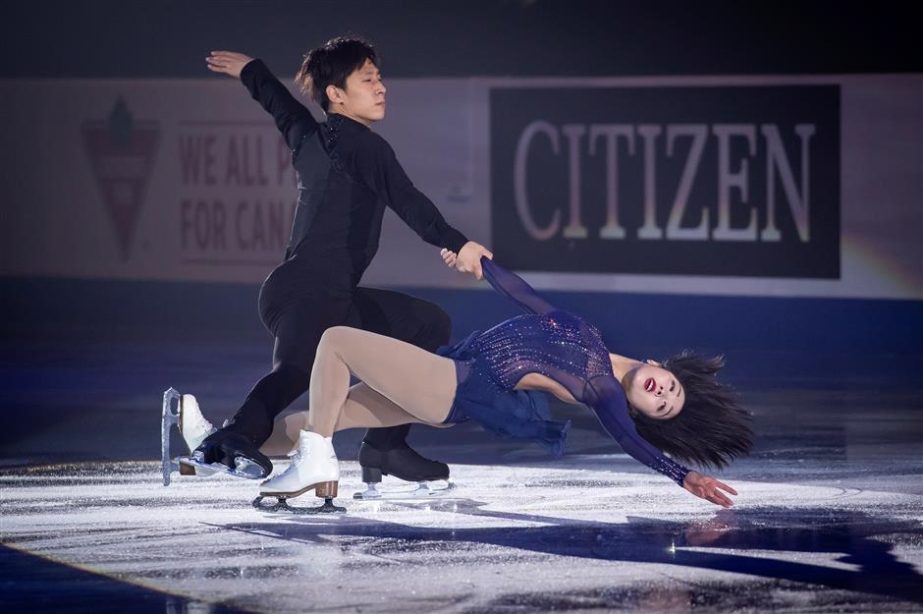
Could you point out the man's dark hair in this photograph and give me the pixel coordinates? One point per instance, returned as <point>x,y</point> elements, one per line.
<point>330,64</point>
<point>712,428</point>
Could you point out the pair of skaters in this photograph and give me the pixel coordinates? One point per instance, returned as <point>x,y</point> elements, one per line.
<point>328,326</point>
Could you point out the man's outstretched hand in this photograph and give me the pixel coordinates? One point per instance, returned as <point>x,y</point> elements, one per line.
<point>227,62</point>
<point>708,488</point>
<point>468,260</point>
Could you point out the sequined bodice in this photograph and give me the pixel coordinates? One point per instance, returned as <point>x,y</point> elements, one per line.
<point>565,348</point>
<point>556,344</point>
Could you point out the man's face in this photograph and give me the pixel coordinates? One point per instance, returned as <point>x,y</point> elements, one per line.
<point>364,97</point>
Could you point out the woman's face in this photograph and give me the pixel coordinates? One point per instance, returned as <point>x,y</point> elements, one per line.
<point>654,391</point>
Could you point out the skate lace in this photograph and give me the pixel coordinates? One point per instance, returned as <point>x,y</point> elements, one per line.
<point>299,454</point>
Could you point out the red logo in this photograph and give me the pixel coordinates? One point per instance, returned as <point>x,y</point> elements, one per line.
<point>122,150</point>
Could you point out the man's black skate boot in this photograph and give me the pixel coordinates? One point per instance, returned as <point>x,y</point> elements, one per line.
<point>232,453</point>
<point>401,461</point>
<point>385,451</point>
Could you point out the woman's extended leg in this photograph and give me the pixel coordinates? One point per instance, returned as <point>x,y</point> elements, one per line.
<point>420,383</point>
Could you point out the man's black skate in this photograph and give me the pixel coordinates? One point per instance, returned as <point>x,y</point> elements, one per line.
<point>402,462</point>
<point>231,453</point>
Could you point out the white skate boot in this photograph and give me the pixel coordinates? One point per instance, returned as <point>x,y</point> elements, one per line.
<point>192,425</point>
<point>314,466</point>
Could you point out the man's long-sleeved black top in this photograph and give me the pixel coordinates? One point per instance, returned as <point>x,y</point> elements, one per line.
<point>347,175</point>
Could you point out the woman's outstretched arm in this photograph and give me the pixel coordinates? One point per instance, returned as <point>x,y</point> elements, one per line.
<point>514,287</point>
<point>292,119</point>
<point>609,403</point>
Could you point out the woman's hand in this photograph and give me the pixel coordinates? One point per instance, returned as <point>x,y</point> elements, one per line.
<point>449,257</point>
<point>468,260</point>
<point>227,62</point>
<point>708,488</point>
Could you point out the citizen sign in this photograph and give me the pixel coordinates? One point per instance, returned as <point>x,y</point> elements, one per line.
<point>737,181</point>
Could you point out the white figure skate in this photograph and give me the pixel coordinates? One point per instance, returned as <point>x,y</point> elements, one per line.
<point>192,426</point>
<point>314,467</point>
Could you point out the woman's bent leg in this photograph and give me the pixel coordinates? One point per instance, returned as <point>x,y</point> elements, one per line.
<point>368,408</point>
<point>284,437</point>
<point>418,382</point>
<point>364,408</point>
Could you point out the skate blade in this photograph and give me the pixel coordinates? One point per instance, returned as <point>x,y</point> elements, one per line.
<point>281,505</point>
<point>168,418</point>
<point>424,490</point>
<point>244,469</point>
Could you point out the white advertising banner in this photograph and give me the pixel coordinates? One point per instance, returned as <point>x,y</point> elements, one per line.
<point>188,180</point>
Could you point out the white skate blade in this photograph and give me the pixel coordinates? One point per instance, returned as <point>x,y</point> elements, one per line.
<point>168,418</point>
<point>423,490</point>
<point>245,469</point>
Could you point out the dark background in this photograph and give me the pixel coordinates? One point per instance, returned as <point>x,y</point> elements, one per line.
<point>419,38</point>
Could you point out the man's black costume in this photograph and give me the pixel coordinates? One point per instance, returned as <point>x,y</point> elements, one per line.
<point>347,175</point>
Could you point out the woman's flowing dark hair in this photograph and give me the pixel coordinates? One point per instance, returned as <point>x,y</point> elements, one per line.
<point>712,429</point>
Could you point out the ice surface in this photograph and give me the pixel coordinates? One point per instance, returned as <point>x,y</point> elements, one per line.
<point>829,517</point>
<point>571,533</point>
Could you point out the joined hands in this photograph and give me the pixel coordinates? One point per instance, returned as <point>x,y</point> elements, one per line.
<point>468,259</point>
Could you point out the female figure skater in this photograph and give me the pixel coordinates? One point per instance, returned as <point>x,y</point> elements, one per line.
<point>678,407</point>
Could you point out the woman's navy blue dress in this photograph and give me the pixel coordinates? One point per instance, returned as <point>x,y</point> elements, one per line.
<point>558,345</point>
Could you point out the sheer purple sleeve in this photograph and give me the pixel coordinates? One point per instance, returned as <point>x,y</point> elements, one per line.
<point>607,399</point>
<point>513,287</point>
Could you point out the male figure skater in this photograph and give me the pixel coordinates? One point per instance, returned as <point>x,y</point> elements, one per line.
<point>347,175</point>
